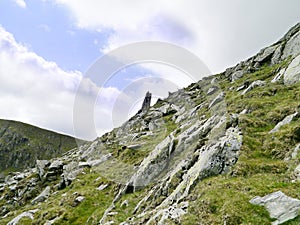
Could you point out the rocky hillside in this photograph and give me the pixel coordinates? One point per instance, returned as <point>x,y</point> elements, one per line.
<point>222,151</point>
<point>22,144</point>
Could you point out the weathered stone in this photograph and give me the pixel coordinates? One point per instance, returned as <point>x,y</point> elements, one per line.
<point>297,172</point>
<point>135,147</point>
<point>212,90</point>
<point>265,54</point>
<point>40,165</point>
<point>286,120</point>
<point>125,203</point>
<point>292,73</point>
<point>80,199</point>
<point>257,83</point>
<point>56,165</point>
<point>102,187</point>
<point>43,196</point>
<point>280,206</point>
<point>237,75</point>
<point>292,47</point>
<point>277,55</point>
<point>70,171</point>
<point>278,76</point>
<point>29,214</point>
<point>146,102</point>
<point>217,100</point>
<point>295,152</point>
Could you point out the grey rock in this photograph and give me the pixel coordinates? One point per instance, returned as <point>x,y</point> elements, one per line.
<point>257,83</point>
<point>280,206</point>
<point>265,54</point>
<point>50,222</point>
<point>56,165</point>
<point>125,203</point>
<point>277,55</point>
<point>102,187</point>
<point>297,172</point>
<point>241,87</point>
<point>42,197</point>
<point>295,152</point>
<point>70,171</point>
<point>135,147</point>
<point>292,73</point>
<point>237,75</point>
<point>278,76</point>
<point>217,100</point>
<point>29,214</point>
<point>40,165</point>
<point>212,90</point>
<point>285,121</point>
<point>112,213</point>
<point>79,199</point>
<point>292,47</point>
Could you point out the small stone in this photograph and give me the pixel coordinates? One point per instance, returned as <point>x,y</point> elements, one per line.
<point>79,199</point>
<point>102,187</point>
<point>125,203</point>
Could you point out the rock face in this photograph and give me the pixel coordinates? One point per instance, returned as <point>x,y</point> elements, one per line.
<point>281,207</point>
<point>146,102</point>
<point>292,74</point>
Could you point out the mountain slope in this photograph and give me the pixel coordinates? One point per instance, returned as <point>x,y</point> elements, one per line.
<point>200,156</point>
<point>21,144</point>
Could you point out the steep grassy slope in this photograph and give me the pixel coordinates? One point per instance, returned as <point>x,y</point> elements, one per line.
<point>263,166</point>
<point>21,144</point>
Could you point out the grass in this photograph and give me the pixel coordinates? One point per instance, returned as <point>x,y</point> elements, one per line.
<point>260,170</point>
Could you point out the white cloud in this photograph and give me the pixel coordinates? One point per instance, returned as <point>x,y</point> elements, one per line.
<point>38,92</point>
<point>21,3</point>
<point>221,33</point>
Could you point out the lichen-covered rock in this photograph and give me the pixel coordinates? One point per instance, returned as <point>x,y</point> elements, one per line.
<point>41,165</point>
<point>292,47</point>
<point>280,206</point>
<point>292,73</point>
<point>43,196</point>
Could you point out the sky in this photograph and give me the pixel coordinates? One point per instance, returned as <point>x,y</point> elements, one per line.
<point>48,46</point>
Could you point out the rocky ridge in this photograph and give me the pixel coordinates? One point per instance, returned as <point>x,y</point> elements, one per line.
<point>202,155</point>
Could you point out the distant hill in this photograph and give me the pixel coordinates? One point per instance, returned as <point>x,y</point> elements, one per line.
<point>21,144</point>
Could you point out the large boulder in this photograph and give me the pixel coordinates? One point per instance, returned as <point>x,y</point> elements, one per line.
<point>280,206</point>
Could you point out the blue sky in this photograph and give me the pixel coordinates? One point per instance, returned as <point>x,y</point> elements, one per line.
<point>49,30</point>
<point>46,46</point>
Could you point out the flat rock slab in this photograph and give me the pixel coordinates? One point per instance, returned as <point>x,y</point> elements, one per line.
<point>280,206</point>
